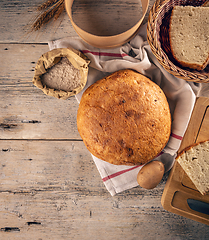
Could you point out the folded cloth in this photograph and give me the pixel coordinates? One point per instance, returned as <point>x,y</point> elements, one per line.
<point>138,56</point>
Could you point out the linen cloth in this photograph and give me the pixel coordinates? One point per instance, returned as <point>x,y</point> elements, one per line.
<point>138,56</point>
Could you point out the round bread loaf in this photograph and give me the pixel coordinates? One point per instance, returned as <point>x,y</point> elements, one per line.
<point>124,118</point>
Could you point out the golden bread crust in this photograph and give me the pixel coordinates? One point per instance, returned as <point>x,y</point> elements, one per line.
<point>124,118</point>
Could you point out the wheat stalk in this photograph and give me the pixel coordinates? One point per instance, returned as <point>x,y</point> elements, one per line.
<point>59,11</point>
<point>51,9</point>
<point>46,4</point>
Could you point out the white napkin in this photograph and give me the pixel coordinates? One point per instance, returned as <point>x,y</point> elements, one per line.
<point>136,55</point>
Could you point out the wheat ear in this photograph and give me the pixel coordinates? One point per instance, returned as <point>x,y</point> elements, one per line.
<point>46,4</point>
<point>54,11</point>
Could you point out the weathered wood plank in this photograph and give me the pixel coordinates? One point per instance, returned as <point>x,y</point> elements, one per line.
<point>65,215</point>
<point>36,165</point>
<point>37,117</point>
<point>26,112</point>
<point>52,189</point>
<point>31,166</point>
<point>102,18</point>
<point>17,64</point>
<point>47,165</point>
<point>16,15</point>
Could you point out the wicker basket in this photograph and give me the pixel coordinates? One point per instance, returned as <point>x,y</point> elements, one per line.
<point>158,39</point>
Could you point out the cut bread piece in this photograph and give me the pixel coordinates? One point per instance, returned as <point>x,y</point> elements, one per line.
<point>195,162</point>
<point>189,36</point>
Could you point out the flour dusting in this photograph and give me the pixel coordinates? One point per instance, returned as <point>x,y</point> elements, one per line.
<point>62,76</point>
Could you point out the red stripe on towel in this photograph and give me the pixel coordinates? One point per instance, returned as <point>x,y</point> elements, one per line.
<point>105,54</point>
<point>119,173</point>
<point>176,136</point>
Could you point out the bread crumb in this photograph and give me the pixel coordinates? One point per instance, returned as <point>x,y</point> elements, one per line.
<point>62,76</point>
<point>195,163</point>
<point>189,36</point>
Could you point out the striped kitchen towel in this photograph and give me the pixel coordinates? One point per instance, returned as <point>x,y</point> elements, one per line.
<point>138,56</point>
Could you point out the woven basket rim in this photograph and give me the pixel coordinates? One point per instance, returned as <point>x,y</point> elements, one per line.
<point>155,45</point>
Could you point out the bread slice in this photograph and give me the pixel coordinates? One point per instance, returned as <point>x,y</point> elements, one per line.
<point>195,162</point>
<point>189,36</point>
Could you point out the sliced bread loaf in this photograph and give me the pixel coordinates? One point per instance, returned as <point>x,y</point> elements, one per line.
<point>195,162</point>
<point>189,36</point>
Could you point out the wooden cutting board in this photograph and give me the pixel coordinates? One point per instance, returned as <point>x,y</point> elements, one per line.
<point>179,187</point>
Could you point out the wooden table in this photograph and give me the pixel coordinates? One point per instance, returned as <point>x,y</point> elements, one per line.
<point>50,187</point>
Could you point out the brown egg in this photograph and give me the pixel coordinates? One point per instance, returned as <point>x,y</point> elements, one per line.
<point>151,174</point>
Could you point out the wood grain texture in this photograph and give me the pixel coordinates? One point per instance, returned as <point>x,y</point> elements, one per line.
<point>49,185</point>
<point>179,187</point>
<point>37,116</point>
<point>62,215</point>
<point>51,189</point>
<point>197,129</point>
<point>98,17</point>
<point>26,112</point>
<point>16,17</point>
<point>203,132</point>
